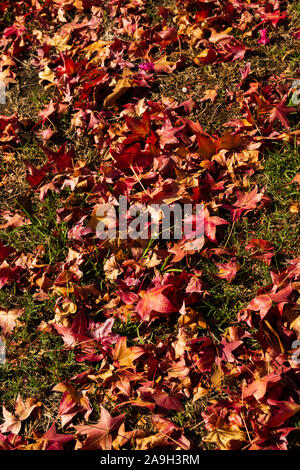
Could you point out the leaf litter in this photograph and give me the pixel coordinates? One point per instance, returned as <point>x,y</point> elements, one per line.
<point>158,105</point>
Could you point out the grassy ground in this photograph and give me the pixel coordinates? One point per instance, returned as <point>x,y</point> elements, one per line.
<point>37,360</point>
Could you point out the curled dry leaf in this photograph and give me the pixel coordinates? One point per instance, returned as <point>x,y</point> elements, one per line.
<point>22,411</point>
<point>9,319</point>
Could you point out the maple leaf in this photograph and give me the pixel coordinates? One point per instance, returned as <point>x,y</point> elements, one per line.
<point>272,16</point>
<point>122,85</point>
<point>260,249</point>
<point>226,348</point>
<point>284,411</point>
<point>166,66</point>
<point>210,224</point>
<point>47,111</point>
<point>55,441</point>
<point>102,332</point>
<point>8,319</point>
<point>8,275</point>
<point>210,95</point>
<point>47,75</point>
<point>168,133</point>
<point>127,157</point>
<point>259,243</point>
<point>36,176</point>
<point>245,71</point>
<point>10,442</point>
<point>258,387</point>
<point>61,159</point>
<point>228,142</point>
<point>208,56</point>
<point>13,221</point>
<point>50,440</point>
<point>99,435</point>
<point>124,356</point>
<point>206,145</point>
<point>227,270</point>
<point>77,337</point>
<point>263,303</point>
<point>245,202</point>
<point>280,113</point>
<point>168,428</point>
<point>263,37</point>
<point>156,302</point>
<point>227,437</point>
<point>13,421</point>
<point>72,403</point>
<point>123,437</point>
<point>166,401</point>
<point>216,37</point>
<point>140,127</point>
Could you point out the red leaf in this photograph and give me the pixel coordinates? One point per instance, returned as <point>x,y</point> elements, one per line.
<point>227,270</point>
<point>280,112</point>
<point>167,133</point>
<point>140,127</point>
<point>61,159</point>
<point>156,303</point>
<point>285,410</point>
<point>168,402</point>
<point>244,203</point>
<point>5,251</point>
<point>72,403</point>
<point>55,441</point>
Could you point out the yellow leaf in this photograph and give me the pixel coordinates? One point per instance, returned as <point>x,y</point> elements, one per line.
<point>192,319</point>
<point>47,75</point>
<point>124,355</point>
<point>98,47</point>
<point>199,392</point>
<point>123,85</point>
<point>227,438</point>
<point>294,208</point>
<point>60,42</point>
<point>217,376</point>
<point>65,308</point>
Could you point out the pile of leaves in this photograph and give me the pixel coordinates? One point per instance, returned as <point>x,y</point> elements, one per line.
<point>135,321</point>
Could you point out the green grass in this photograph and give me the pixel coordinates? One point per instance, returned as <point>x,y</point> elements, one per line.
<point>278,225</point>
<point>43,230</point>
<point>36,360</point>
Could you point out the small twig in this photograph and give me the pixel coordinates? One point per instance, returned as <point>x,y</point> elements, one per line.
<point>230,233</point>
<point>145,191</point>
